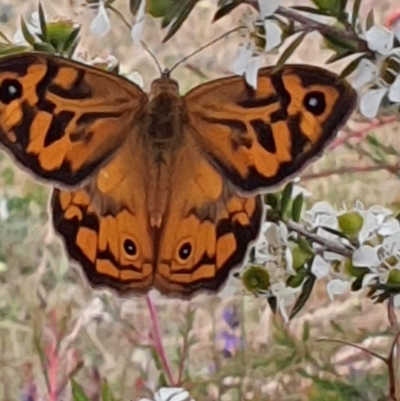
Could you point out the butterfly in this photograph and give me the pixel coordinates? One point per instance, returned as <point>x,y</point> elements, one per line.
<point>160,190</point>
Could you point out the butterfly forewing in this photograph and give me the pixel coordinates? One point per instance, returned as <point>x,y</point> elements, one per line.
<point>259,137</point>
<point>62,119</point>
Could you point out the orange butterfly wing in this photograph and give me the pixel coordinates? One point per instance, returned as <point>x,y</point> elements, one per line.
<point>62,119</point>
<point>259,137</point>
<point>105,225</point>
<point>207,229</point>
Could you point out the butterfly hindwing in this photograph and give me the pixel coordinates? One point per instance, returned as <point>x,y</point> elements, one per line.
<point>61,119</point>
<point>259,137</point>
<point>207,230</point>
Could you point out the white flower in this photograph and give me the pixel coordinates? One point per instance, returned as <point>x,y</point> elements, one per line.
<point>267,7</point>
<point>101,23</point>
<point>95,310</point>
<point>246,64</point>
<point>322,214</point>
<point>285,297</point>
<point>366,256</point>
<point>391,244</point>
<point>381,41</point>
<point>320,267</point>
<point>170,394</point>
<point>137,28</point>
<point>273,35</point>
<point>336,287</point>
<point>4,212</point>
<point>136,78</point>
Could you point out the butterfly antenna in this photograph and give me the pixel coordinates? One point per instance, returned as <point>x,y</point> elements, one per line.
<point>217,39</point>
<point>152,55</point>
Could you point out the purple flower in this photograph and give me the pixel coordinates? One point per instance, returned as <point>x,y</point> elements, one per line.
<point>231,343</point>
<point>231,316</point>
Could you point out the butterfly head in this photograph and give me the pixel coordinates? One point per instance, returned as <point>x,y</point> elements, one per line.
<point>164,85</point>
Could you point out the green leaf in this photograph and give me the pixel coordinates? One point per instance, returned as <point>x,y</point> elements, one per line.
<point>44,47</point>
<point>297,207</point>
<point>42,22</point>
<point>370,22</point>
<point>304,296</point>
<point>4,37</point>
<point>159,8</point>
<point>5,48</point>
<point>72,39</point>
<point>78,394</point>
<point>356,11</point>
<point>225,10</point>
<point>339,56</point>
<point>26,33</point>
<point>300,257</point>
<point>134,6</point>
<point>351,66</point>
<point>106,392</point>
<point>297,280</point>
<point>180,19</point>
<point>306,332</point>
<point>335,7</point>
<point>339,45</point>
<point>175,10</point>
<point>271,200</point>
<point>290,49</point>
<point>312,10</point>
<point>286,197</point>
<point>305,246</point>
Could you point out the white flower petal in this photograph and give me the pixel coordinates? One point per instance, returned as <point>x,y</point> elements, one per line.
<point>366,256</point>
<point>267,7</point>
<point>370,102</point>
<point>336,287</point>
<point>396,300</point>
<point>389,227</point>
<point>243,56</point>
<point>172,394</point>
<point>283,311</point>
<point>368,278</point>
<point>365,72</point>
<point>251,72</point>
<point>320,267</point>
<point>101,23</point>
<point>380,39</point>
<point>137,28</point>
<point>394,90</point>
<point>136,78</point>
<point>273,35</point>
<point>391,244</point>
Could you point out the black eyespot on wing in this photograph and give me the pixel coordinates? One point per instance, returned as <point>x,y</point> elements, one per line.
<point>185,251</point>
<point>130,247</point>
<point>10,89</point>
<point>315,103</point>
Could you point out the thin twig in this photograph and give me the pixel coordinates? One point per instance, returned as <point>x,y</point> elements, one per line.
<point>328,245</point>
<point>393,168</point>
<point>362,132</point>
<point>317,26</point>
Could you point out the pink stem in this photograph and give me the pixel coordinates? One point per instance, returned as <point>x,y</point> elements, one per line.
<point>362,132</point>
<point>157,337</point>
<point>52,367</point>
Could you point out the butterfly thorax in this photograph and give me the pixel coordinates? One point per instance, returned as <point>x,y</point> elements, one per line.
<point>163,136</point>
<point>166,112</point>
